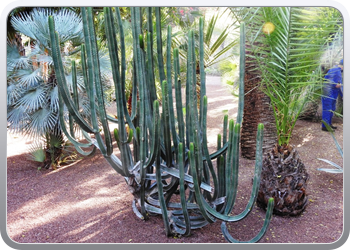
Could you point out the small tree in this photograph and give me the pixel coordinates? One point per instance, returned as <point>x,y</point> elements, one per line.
<point>291,44</point>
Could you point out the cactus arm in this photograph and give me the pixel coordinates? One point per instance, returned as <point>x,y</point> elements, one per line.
<point>116,136</point>
<point>134,104</point>
<point>146,86</point>
<point>113,53</point>
<point>224,135</point>
<point>201,68</point>
<point>97,79</point>
<point>75,98</point>
<point>153,91</point>
<point>76,144</point>
<point>257,174</point>
<point>262,231</point>
<point>155,140</point>
<point>161,199</point>
<point>150,69</point>
<point>162,76</point>
<point>182,190</point>
<point>241,74</point>
<point>219,152</point>
<point>196,222</point>
<point>255,188</point>
<point>221,176</point>
<point>233,166</point>
<point>153,177</point>
<point>178,97</point>
<point>113,160</point>
<point>62,86</point>
<point>122,54</point>
<point>257,171</point>
<point>170,90</point>
<point>85,79</point>
<point>190,106</point>
<point>112,119</point>
<point>166,127</point>
<point>205,147</point>
<point>74,85</point>
<point>123,69</point>
<point>150,25</point>
<point>84,67</point>
<point>153,209</point>
<point>136,211</point>
<point>142,118</point>
<point>90,83</point>
<point>228,169</point>
<point>188,178</point>
<point>190,206</point>
<point>159,44</point>
<point>71,120</point>
<point>220,170</point>
<point>199,199</point>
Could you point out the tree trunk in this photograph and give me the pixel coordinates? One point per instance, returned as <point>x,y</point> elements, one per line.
<point>257,109</point>
<point>283,177</point>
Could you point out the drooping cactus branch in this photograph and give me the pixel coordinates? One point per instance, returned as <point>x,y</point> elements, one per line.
<point>166,161</point>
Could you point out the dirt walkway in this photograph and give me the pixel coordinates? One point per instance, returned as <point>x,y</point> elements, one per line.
<point>88,202</point>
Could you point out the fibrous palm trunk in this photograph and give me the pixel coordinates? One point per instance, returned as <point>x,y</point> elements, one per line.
<point>284,178</point>
<point>257,109</point>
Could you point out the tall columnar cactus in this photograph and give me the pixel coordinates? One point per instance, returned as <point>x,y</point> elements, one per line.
<point>166,161</point>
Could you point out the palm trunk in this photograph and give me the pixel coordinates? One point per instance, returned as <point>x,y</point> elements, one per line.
<point>257,109</point>
<point>284,177</point>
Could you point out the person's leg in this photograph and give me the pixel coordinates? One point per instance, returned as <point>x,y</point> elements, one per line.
<point>334,103</point>
<point>326,111</point>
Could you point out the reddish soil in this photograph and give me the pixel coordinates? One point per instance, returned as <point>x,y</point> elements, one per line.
<point>88,202</point>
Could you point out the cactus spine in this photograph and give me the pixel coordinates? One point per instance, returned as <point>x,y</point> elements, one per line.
<point>165,160</point>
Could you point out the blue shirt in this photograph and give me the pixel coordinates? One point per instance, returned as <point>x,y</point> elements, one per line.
<point>333,77</point>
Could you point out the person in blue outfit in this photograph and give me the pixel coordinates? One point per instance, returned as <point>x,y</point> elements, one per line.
<point>333,86</point>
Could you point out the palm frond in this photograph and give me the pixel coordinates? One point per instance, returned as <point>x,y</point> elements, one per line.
<point>33,99</point>
<point>14,59</point>
<point>54,103</point>
<point>41,121</point>
<point>17,119</point>
<point>24,24</point>
<point>37,152</point>
<point>338,170</point>
<point>14,93</point>
<point>219,54</point>
<point>68,25</point>
<point>105,64</point>
<point>210,29</point>
<point>28,78</point>
<point>35,25</point>
<point>286,57</point>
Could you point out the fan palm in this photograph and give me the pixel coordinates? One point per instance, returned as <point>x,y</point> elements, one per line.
<point>32,93</point>
<point>287,44</point>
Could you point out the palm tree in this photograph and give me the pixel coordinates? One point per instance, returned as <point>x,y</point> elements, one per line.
<point>287,48</point>
<point>257,108</point>
<point>32,93</point>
